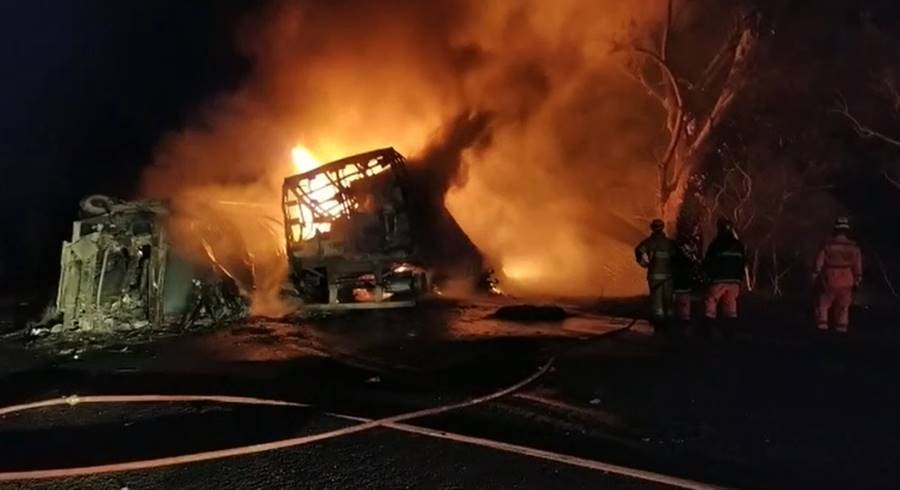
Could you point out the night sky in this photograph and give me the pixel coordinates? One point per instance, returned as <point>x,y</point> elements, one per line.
<point>88,88</point>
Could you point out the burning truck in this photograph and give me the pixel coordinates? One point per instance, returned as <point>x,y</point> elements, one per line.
<point>360,232</point>
<point>349,232</point>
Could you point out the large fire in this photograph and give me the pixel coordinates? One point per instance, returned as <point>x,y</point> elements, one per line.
<point>316,202</point>
<point>304,161</point>
<point>319,188</point>
<point>548,192</point>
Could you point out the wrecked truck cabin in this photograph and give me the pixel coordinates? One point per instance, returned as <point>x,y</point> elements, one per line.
<point>111,270</point>
<point>119,272</point>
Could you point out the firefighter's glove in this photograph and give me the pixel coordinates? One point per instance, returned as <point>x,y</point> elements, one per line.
<point>644,261</point>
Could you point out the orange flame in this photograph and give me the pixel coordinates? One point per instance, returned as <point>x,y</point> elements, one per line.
<point>320,194</point>
<point>319,188</point>
<point>303,159</point>
<point>544,198</point>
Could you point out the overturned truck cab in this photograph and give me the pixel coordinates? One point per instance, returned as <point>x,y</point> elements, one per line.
<point>350,229</point>
<point>119,271</point>
<point>112,270</point>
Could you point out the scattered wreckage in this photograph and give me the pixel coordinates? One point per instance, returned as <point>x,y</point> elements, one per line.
<point>359,233</point>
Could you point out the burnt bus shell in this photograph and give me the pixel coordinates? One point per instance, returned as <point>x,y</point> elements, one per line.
<point>349,228</point>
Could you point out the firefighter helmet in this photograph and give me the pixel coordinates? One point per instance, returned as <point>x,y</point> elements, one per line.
<point>724,225</point>
<point>657,225</point>
<point>842,224</point>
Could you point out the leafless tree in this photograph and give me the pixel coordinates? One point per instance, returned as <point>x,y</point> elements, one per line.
<point>758,196</point>
<point>691,121</point>
<point>885,88</point>
<point>865,131</point>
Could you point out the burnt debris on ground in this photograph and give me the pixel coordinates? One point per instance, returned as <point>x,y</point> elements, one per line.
<point>531,313</point>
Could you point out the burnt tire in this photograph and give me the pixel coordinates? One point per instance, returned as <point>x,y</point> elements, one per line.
<point>96,204</point>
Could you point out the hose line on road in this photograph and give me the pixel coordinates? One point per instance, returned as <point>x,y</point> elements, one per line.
<point>77,400</point>
<point>236,451</point>
<point>547,455</point>
<point>393,422</point>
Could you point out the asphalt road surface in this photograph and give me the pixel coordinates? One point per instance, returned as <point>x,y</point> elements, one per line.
<point>380,458</point>
<point>729,414</point>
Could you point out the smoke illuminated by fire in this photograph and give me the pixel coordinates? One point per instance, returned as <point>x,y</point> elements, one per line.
<point>547,195</point>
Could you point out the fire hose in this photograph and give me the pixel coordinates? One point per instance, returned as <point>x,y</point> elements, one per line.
<point>393,422</point>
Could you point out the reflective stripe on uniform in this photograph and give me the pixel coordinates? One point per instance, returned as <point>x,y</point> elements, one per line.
<point>661,255</point>
<point>729,254</point>
<point>659,276</point>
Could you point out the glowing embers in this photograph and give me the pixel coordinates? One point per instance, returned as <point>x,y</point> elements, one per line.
<point>316,198</point>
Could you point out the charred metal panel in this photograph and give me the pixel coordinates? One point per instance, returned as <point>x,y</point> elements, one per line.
<point>119,272</point>
<point>114,267</point>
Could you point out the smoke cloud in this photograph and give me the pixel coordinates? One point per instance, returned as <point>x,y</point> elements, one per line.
<point>553,170</point>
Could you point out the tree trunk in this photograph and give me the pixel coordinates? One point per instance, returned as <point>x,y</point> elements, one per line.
<point>684,198</point>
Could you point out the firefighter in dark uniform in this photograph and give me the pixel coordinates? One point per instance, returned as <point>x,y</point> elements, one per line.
<point>655,254</point>
<point>725,267</point>
<point>687,272</point>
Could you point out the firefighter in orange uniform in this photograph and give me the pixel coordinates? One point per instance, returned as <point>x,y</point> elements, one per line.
<point>725,267</point>
<point>838,272</point>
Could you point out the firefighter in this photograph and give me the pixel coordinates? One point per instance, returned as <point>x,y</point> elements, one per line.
<point>655,254</point>
<point>725,267</point>
<point>838,272</point>
<point>687,271</point>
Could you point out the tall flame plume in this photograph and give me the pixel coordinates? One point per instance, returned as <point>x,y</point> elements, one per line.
<point>546,192</point>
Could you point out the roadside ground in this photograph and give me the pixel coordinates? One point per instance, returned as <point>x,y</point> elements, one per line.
<point>780,406</point>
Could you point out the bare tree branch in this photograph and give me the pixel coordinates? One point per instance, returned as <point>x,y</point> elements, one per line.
<point>679,109</point>
<point>890,179</point>
<point>889,88</point>
<point>718,62</point>
<point>733,84</point>
<point>652,91</point>
<point>887,279</point>
<point>861,129</point>
<point>664,44</point>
